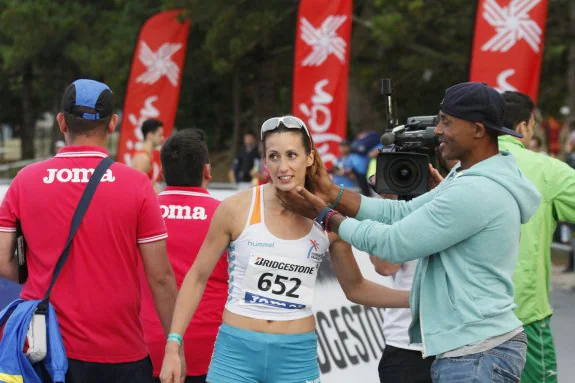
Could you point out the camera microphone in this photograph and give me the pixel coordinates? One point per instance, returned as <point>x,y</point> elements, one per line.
<point>387,139</point>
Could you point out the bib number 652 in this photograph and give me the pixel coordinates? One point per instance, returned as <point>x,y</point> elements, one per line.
<point>278,285</point>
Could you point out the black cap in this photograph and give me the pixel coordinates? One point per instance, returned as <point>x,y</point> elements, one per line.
<point>477,102</point>
<point>88,99</point>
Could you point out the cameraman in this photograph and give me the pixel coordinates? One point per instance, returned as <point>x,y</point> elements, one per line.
<point>465,233</point>
<point>401,360</point>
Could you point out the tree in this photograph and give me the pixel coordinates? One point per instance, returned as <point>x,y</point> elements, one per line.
<point>45,44</point>
<point>239,64</point>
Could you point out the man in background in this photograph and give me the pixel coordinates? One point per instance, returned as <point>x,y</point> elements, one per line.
<point>143,160</point>
<point>187,208</point>
<point>555,180</point>
<point>244,161</point>
<point>97,294</point>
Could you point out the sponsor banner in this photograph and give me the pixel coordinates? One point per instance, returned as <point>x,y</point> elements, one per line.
<point>508,44</point>
<point>350,336</point>
<point>321,68</point>
<point>155,79</point>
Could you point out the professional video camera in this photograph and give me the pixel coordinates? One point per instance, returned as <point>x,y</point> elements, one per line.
<point>402,164</point>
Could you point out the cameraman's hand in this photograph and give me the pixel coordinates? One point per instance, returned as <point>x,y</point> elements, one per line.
<point>434,177</point>
<point>323,186</point>
<point>301,201</point>
<point>314,202</point>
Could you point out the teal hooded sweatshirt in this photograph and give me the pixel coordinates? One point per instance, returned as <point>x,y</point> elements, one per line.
<point>466,234</point>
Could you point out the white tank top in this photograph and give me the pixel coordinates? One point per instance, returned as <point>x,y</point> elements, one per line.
<point>272,278</point>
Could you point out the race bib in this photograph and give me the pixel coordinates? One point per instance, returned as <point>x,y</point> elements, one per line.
<point>280,282</point>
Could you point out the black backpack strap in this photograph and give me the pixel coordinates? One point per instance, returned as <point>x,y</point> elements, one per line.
<point>76,220</point>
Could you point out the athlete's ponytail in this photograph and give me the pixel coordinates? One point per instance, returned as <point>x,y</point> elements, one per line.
<point>313,170</point>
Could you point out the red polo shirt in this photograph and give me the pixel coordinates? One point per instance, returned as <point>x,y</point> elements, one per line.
<point>188,212</point>
<point>97,294</point>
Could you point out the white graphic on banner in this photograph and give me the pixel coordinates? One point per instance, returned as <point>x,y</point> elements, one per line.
<point>324,40</point>
<point>512,24</point>
<point>319,120</point>
<point>159,63</point>
<point>502,83</point>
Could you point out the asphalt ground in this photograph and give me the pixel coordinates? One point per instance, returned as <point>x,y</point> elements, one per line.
<point>563,324</point>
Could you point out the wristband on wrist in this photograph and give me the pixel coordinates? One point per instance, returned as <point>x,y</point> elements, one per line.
<point>338,198</point>
<point>175,337</point>
<point>328,216</point>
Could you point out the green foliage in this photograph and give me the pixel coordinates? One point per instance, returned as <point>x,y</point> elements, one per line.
<point>422,45</point>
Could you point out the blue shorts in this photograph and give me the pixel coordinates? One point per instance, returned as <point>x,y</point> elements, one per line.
<point>243,356</point>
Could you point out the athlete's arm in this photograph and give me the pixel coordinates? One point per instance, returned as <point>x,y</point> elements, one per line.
<point>8,265</point>
<point>356,288</point>
<point>192,289</point>
<point>141,162</point>
<point>161,280</point>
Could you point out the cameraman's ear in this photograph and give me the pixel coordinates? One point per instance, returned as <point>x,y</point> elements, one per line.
<point>480,130</point>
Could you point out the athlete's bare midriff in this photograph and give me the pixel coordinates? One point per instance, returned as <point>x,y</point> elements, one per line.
<point>296,326</point>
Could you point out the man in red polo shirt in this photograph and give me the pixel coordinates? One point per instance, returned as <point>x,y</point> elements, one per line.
<point>97,295</point>
<point>187,208</point>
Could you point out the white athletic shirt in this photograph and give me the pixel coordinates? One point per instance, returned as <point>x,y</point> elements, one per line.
<point>272,278</point>
<point>396,321</point>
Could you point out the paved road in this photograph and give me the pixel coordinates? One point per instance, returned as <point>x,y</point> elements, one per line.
<point>563,325</point>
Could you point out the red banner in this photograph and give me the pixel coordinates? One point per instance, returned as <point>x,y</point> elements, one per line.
<point>508,44</point>
<point>321,72</point>
<point>155,78</point>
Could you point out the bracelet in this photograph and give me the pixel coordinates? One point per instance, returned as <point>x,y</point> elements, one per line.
<point>338,198</point>
<point>328,216</point>
<point>175,337</point>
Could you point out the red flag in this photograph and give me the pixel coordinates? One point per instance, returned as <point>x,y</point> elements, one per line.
<point>508,44</point>
<point>321,72</point>
<point>155,78</point>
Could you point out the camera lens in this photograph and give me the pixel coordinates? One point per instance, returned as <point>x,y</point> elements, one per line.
<point>402,173</point>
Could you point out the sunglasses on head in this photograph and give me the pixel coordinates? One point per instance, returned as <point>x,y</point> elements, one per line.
<point>290,122</point>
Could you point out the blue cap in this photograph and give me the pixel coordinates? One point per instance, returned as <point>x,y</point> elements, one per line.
<point>477,102</point>
<point>88,99</point>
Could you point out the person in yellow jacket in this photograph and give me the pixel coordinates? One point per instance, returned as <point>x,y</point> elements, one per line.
<point>555,180</point>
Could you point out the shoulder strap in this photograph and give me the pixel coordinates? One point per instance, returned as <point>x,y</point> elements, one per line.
<point>77,219</point>
<point>256,213</point>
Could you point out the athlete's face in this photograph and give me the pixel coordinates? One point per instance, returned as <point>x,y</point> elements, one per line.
<point>158,136</point>
<point>286,159</point>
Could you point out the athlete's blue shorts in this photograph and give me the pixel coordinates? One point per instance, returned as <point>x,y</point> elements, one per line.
<point>243,356</point>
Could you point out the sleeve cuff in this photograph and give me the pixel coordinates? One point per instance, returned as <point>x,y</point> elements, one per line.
<point>4,229</point>
<point>154,238</point>
<point>367,207</point>
<point>347,228</point>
